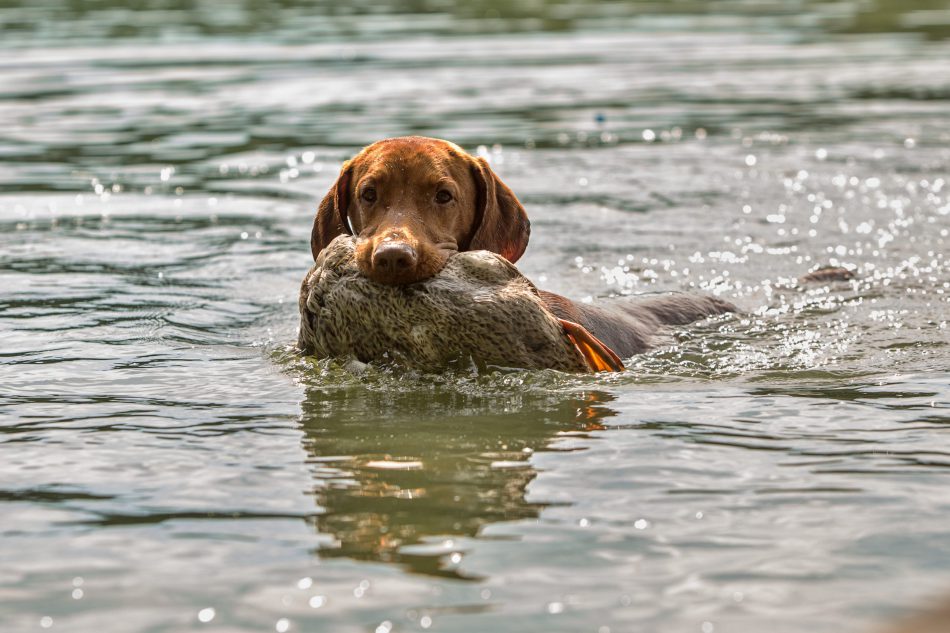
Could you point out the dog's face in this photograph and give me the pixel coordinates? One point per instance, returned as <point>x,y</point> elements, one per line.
<point>411,202</point>
<point>410,209</point>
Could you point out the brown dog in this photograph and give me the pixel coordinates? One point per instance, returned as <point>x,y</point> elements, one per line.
<point>412,201</point>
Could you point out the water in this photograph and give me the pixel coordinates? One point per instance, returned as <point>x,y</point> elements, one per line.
<point>168,465</point>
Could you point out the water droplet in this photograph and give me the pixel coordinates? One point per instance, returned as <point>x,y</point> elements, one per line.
<point>282,626</point>
<point>206,615</point>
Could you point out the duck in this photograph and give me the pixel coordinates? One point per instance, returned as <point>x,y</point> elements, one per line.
<point>479,310</point>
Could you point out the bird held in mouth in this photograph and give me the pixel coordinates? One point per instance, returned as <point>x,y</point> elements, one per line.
<point>478,307</point>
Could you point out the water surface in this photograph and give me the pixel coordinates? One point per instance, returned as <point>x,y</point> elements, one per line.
<point>167,464</point>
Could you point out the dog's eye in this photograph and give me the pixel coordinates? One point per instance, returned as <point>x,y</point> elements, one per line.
<point>443,196</point>
<point>369,195</point>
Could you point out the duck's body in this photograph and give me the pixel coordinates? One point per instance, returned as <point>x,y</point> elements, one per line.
<point>479,307</point>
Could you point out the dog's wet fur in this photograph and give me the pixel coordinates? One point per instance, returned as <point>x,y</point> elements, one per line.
<point>411,203</point>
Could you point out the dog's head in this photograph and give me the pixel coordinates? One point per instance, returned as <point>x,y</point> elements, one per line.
<point>413,201</point>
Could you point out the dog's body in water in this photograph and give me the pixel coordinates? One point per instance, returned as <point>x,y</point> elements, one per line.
<point>478,307</point>
<point>411,204</point>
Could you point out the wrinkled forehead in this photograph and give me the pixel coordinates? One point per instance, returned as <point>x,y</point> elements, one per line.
<point>412,163</point>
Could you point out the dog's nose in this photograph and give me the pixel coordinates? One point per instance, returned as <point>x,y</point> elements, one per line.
<point>394,257</point>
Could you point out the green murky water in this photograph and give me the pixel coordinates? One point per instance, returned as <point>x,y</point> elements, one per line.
<point>167,465</point>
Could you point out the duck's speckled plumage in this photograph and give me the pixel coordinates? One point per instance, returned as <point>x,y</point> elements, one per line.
<point>480,307</point>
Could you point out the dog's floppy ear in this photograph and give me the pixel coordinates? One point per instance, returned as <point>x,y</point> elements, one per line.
<point>501,224</point>
<point>331,219</point>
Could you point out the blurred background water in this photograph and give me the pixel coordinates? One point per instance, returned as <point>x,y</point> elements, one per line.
<point>167,464</point>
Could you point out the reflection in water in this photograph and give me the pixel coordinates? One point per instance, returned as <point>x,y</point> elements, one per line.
<point>399,469</point>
